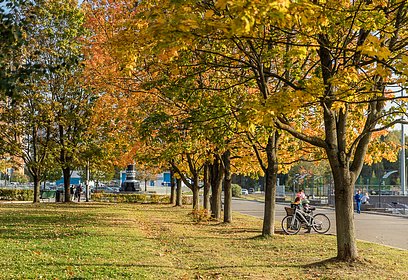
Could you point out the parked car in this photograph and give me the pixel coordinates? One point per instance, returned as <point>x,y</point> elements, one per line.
<point>244,191</point>
<point>251,190</point>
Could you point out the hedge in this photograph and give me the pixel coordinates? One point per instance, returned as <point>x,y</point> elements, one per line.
<point>16,194</point>
<point>136,198</point>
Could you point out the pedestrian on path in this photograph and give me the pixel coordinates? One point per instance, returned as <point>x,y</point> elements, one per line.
<point>71,192</point>
<point>78,192</point>
<point>357,198</point>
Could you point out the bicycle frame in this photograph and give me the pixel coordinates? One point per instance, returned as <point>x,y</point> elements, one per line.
<point>297,218</point>
<point>302,217</point>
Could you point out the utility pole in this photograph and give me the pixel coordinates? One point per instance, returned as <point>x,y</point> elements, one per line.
<point>402,172</point>
<point>87,182</point>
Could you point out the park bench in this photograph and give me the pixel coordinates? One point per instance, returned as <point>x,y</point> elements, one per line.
<point>47,195</point>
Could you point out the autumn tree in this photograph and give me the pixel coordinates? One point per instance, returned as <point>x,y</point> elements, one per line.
<point>184,154</point>
<point>335,62</point>
<point>217,36</point>
<point>359,51</point>
<point>59,31</point>
<point>26,116</point>
<point>26,133</point>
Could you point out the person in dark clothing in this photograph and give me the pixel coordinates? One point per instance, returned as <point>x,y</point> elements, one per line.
<point>71,192</point>
<point>78,192</point>
<point>357,198</point>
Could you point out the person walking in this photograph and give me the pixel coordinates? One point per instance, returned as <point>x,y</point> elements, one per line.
<point>71,192</point>
<point>78,192</point>
<point>357,198</point>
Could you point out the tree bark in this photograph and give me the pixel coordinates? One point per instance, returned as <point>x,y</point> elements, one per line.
<point>179,198</point>
<point>67,181</point>
<point>192,186</point>
<point>196,195</point>
<point>345,230</point>
<point>217,175</point>
<point>36,189</point>
<point>227,187</point>
<point>207,187</point>
<point>268,227</point>
<point>172,187</point>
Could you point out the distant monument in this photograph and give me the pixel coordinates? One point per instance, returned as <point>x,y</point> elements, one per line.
<point>131,184</point>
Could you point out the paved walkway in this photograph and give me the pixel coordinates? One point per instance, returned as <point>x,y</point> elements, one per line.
<point>383,229</point>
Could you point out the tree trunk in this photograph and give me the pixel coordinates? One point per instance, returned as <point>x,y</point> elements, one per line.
<point>344,179</point>
<point>179,198</point>
<point>227,187</point>
<point>207,187</point>
<point>217,175</point>
<point>36,189</point>
<point>270,186</point>
<point>172,187</point>
<point>67,182</point>
<point>345,231</point>
<point>196,195</point>
<point>192,186</point>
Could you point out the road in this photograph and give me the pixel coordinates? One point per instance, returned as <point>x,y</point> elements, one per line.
<point>381,229</point>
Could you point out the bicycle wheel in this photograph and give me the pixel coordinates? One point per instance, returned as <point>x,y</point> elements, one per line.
<point>321,223</point>
<point>289,227</point>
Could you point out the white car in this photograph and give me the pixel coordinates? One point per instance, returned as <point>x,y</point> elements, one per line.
<point>244,191</point>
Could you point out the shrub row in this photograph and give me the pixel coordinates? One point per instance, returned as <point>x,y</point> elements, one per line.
<point>16,194</point>
<point>136,198</point>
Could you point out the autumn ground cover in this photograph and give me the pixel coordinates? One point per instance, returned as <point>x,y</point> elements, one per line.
<point>139,241</point>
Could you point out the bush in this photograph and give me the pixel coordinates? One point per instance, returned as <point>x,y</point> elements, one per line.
<point>131,198</point>
<point>156,198</point>
<point>201,215</point>
<point>14,194</point>
<point>236,190</point>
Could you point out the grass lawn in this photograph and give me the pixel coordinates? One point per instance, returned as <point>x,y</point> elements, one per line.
<point>133,241</point>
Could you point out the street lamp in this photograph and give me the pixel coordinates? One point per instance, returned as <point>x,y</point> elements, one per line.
<point>402,163</point>
<point>386,175</point>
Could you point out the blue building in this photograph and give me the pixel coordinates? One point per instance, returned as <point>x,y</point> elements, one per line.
<point>76,179</point>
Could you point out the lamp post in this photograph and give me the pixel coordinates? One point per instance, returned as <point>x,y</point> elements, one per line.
<point>402,173</point>
<point>386,175</point>
<point>402,167</point>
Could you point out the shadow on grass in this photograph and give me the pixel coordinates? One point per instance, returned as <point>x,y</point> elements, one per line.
<point>334,261</point>
<point>278,232</point>
<point>239,230</point>
<point>184,268</point>
<point>323,263</point>
<point>260,237</point>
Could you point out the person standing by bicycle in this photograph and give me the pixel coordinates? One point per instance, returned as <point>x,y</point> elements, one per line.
<point>357,198</point>
<point>302,200</point>
<point>301,194</point>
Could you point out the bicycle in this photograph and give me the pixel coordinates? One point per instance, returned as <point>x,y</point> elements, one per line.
<point>296,218</point>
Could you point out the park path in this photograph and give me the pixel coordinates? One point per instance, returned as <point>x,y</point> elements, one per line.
<point>378,228</point>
